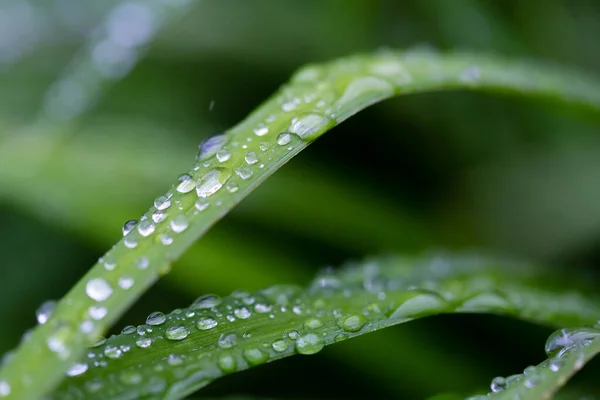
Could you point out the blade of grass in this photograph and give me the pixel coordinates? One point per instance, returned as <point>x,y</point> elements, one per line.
<point>317,98</point>
<point>174,355</point>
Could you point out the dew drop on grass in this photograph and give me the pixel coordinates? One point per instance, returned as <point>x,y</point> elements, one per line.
<point>307,125</point>
<point>261,130</point>
<point>309,343</point>
<point>556,364</point>
<point>97,312</point>
<point>146,228</point>
<point>264,146</point>
<point>45,311</point>
<point>142,262</point>
<point>159,217</point>
<point>128,226</point>
<point>251,158</point>
<point>4,389</point>
<point>128,330</point>
<point>313,323</point>
<point>498,384</point>
<point>201,205</point>
<point>125,282</point>
<point>112,352</point>
<point>130,242</point>
<point>130,378</point>
<point>206,301</point>
<point>177,332</point>
<point>186,184</point>
<point>352,323</point>
<point>227,340</point>
<point>162,203</point>
<point>255,356</point>
<point>242,313</point>
<point>206,323</point>
<point>210,146</point>
<point>280,345</point>
<point>98,289</point>
<point>294,335</point>
<point>421,304</point>
<point>179,223</point>
<point>227,363</point>
<point>156,318</point>
<point>244,172</point>
<point>284,139</point>
<point>223,155</point>
<point>210,183</point>
<point>143,343</point>
<point>232,187</point>
<point>77,369</point>
<point>471,74</point>
<point>564,339</point>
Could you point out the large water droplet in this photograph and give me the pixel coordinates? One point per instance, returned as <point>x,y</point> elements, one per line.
<point>77,369</point>
<point>498,384</point>
<point>210,146</point>
<point>227,340</point>
<point>251,158</point>
<point>143,343</point>
<point>206,301</point>
<point>255,356</point>
<point>45,311</point>
<point>307,125</point>
<point>186,184</point>
<point>244,172</point>
<point>227,363</point>
<point>128,226</point>
<point>177,332</point>
<point>128,330</point>
<point>564,339</point>
<point>156,318</point>
<point>125,282</point>
<point>98,289</point>
<point>146,228</point>
<point>284,139</point>
<point>223,155</point>
<point>212,181</point>
<point>361,93</point>
<point>309,344</point>
<point>280,345</point>
<point>179,223</point>
<point>313,323</point>
<point>206,323</point>
<point>421,304</point>
<point>4,389</point>
<point>130,242</point>
<point>242,313</point>
<point>352,323</point>
<point>162,203</point>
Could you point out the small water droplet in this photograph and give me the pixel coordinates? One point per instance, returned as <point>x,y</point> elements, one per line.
<point>227,340</point>
<point>352,323</point>
<point>255,356</point>
<point>284,139</point>
<point>232,187</point>
<point>556,364</point>
<point>498,384</point>
<point>128,330</point>
<point>174,359</point>
<point>159,217</point>
<point>130,377</point>
<point>145,228</point>
<point>264,146</point>
<point>128,226</point>
<point>261,130</point>
<point>244,172</point>
<point>313,323</point>
<point>156,318</point>
<point>143,343</point>
<point>186,184</point>
<point>77,369</point>
<point>130,242</point>
<point>280,345</point>
<point>307,125</point>
<point>309,344</point>
<point>206,323</point>
<point>97,312</point>
<point>262,308</point>
<point>162,203</point>
<point>142,262</point>
<point>201,205</point>
<point>251,158</point>
<point>227,363</point>
<point>98,289</point>
<point>4,389</point>
<point>471,74</point>
<point>179,223</point>
<point>210,183</point>
<point>177,332</point>
<point>242,313</point>
<point>125,282</point>
<point>294,335</point>
<point>112,352</point>
<point>45,311</point>
<point>223,155</point>
<point>165,239</point>
<point>206,301</point>
<point>210,146</point>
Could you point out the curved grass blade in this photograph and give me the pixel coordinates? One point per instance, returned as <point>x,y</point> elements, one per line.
<point>231,165</point>
<point>173,355</point>
<point>568,351</point>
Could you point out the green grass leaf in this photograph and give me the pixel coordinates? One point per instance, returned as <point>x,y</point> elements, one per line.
<point>173,355</point>
<point>232,165</point>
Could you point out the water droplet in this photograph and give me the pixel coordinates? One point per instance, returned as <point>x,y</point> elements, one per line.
<point>86,327</point>
<point>130,378</point>
<point>264,146</point>
<point>261,130</point>
<point>307,125</point>
<point>186,184</point>
<point>109,265</point>
<point>223,155</point>
<point>244,172</point>
<point>309,344</point>
<point>146,228</point>
<point>422,303</point>
<point>210,146</point>
<point>293,335</point>
<point>486,301</point>
<point>262,308</point>
<point>128,226</point>
<point>177,332</point>
<point>242,313</point>
<point>93,385</point>
<point>156,318</point>
<point>4,388</point>
<point>112,352</point>
<point>498,384</point>
<point>142,262</point>
<point>98,289</point>
<point>77,369</point>
<point>45,311</point>
<point>128,330</point>
<point>284,139</point>
<point>352,323</point>
<point>280,345</point>
<point>227,363</point>
<point>174,359</point>
<point>179,223</point>
<point>206,323</point>
<point>210,183</point>
<point>251,158</point>
<point>360,93</point>
<point>232,187</point>
<point>165,239</point>
<point>564,339</point>
<point>162,203</point>
<point>313,323</point>
<point>125,282</point>
<point>143,343</point>
<point>255,356</point>
<point>206,301</point>
<point>556,364</point>
<point>97,312</point>
<point>227,340</point>
<point>289,105</point>
<point>471,74</point>
<point>201,205</point>
<point>159,217</point>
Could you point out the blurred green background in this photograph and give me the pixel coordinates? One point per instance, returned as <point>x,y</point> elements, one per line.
<point>102,105</point>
